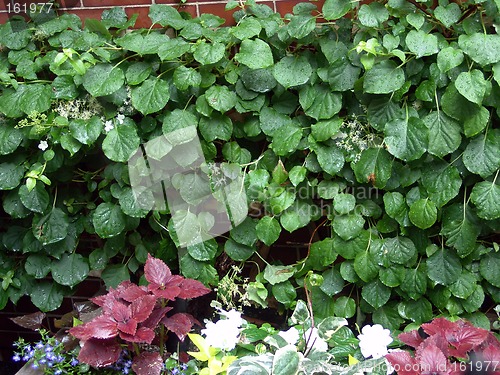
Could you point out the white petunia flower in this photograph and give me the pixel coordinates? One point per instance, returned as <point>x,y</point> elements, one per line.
<point>120,118</point>
<point>225,333</point>
<point>43,145</point>
<point>373,341</point>
<point>314,341</point>
<point>291,336</point>
<point>108,126</point>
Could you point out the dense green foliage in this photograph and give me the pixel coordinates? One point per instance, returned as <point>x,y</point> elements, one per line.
<point>379,130</point>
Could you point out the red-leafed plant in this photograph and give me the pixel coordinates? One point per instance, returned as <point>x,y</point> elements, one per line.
<point>133,315</point>
<point>443,347</point>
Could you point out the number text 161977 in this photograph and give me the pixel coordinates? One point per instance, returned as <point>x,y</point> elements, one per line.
<point>29,8</point>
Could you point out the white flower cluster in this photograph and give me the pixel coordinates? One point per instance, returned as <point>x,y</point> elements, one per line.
<point>354,137</point>
<point>373,341</point>
<point>126,107</point>
<point>225,333</point>
<point>79,108</point>
<point>43,145</point>
<point>109,124</point>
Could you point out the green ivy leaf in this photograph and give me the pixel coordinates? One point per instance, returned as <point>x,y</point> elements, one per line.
<point>217,126</point>
<point>396,207</point>
<point>70,270</point>
<point>256,54</point>
<point>399,250</point>
<point>373,14</point>
<point>444,133</point>
<point>480,47</point>
<point>345,307</point>
<point>474,302</point>
<point>482,154</point>
<point>489,266</point>
<point>176,47</point>
<point>10,138</point>
<point>246,28</point>
<point>376,293</point>
<point>366,266</point>
<point>36,200</point>
<point>297,174</point>
<point>121,143</point>
<point>388,317</point>
<point>10,176</point>
<point>444,267</point>
<point>421,43</point>
<point>203,251</point>
<point>52,227</point>
<point>237,251</point>
<point>423,213</point>
<point>297,216</point>
<point>449,58</point>
<point>375,166</point>
<point>284,293</point>
<point>330,158</point>
<point>286,139</point>
<point>220,98</point>
<point>321,254</point>
<point>348,226</point>
<point>108,220</point>
<point>271,120</point>
<point>449,14</point>
<point>335,9</point>
<point>278,274</point>
<point>114,274</point>
<point>460,228</point>
<point>301,25</point>
<point>486,196</point>
<point>292,71</point>
<point>406,139</point>
<point>268,230</point>
<point>415,19</point>
<point>476,121</point>
<point>185,77</point>
<point>442,182</point>
<point>384,78</point>
<point>166,15</point>
<point>464,286</point>
<point>419,311</point>
<point>103,79</point>
<point>472,85</point>
<point>35,98</point>
<point>151,96</point>
<point>38,265</point>
<point>137,72</point>
<point>344,203</point>
<point>86,131</point>
<point>179,126</point>
<point>324,130</point>
<point>47,296</point>
<point>319,102</point>
<point>415,282</point>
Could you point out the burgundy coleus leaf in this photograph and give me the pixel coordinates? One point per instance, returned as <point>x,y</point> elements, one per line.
<point>107,301</point>
<point>180,324</point>
<point>403,363</point>
<point>99,353</point>
<point>102,327</point>
<point>467,339</point>
<point>440,326</point>
<point>142,335</point>
<point>411,338</point>
<point>155,317</point>
<point>148,364</point>
<point>121,312</point>
<point>192,288</point>
<point>492,354</point>
<point>129,327</point>
<point>432,360</point>
<point>130,291</point>
<point>142,307</point>
<point>161,281</point>
<point>80,332</point>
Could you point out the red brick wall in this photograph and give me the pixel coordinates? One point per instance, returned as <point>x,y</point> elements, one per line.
<point>94,8</point>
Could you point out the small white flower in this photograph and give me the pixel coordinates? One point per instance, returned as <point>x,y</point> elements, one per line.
<point>120,118</point>
<point>108,126</point>
<point>225,333</point>
<point>291,336</point>
<point>373,341</point>
<point>314,341</point>
<point>43,145</point>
